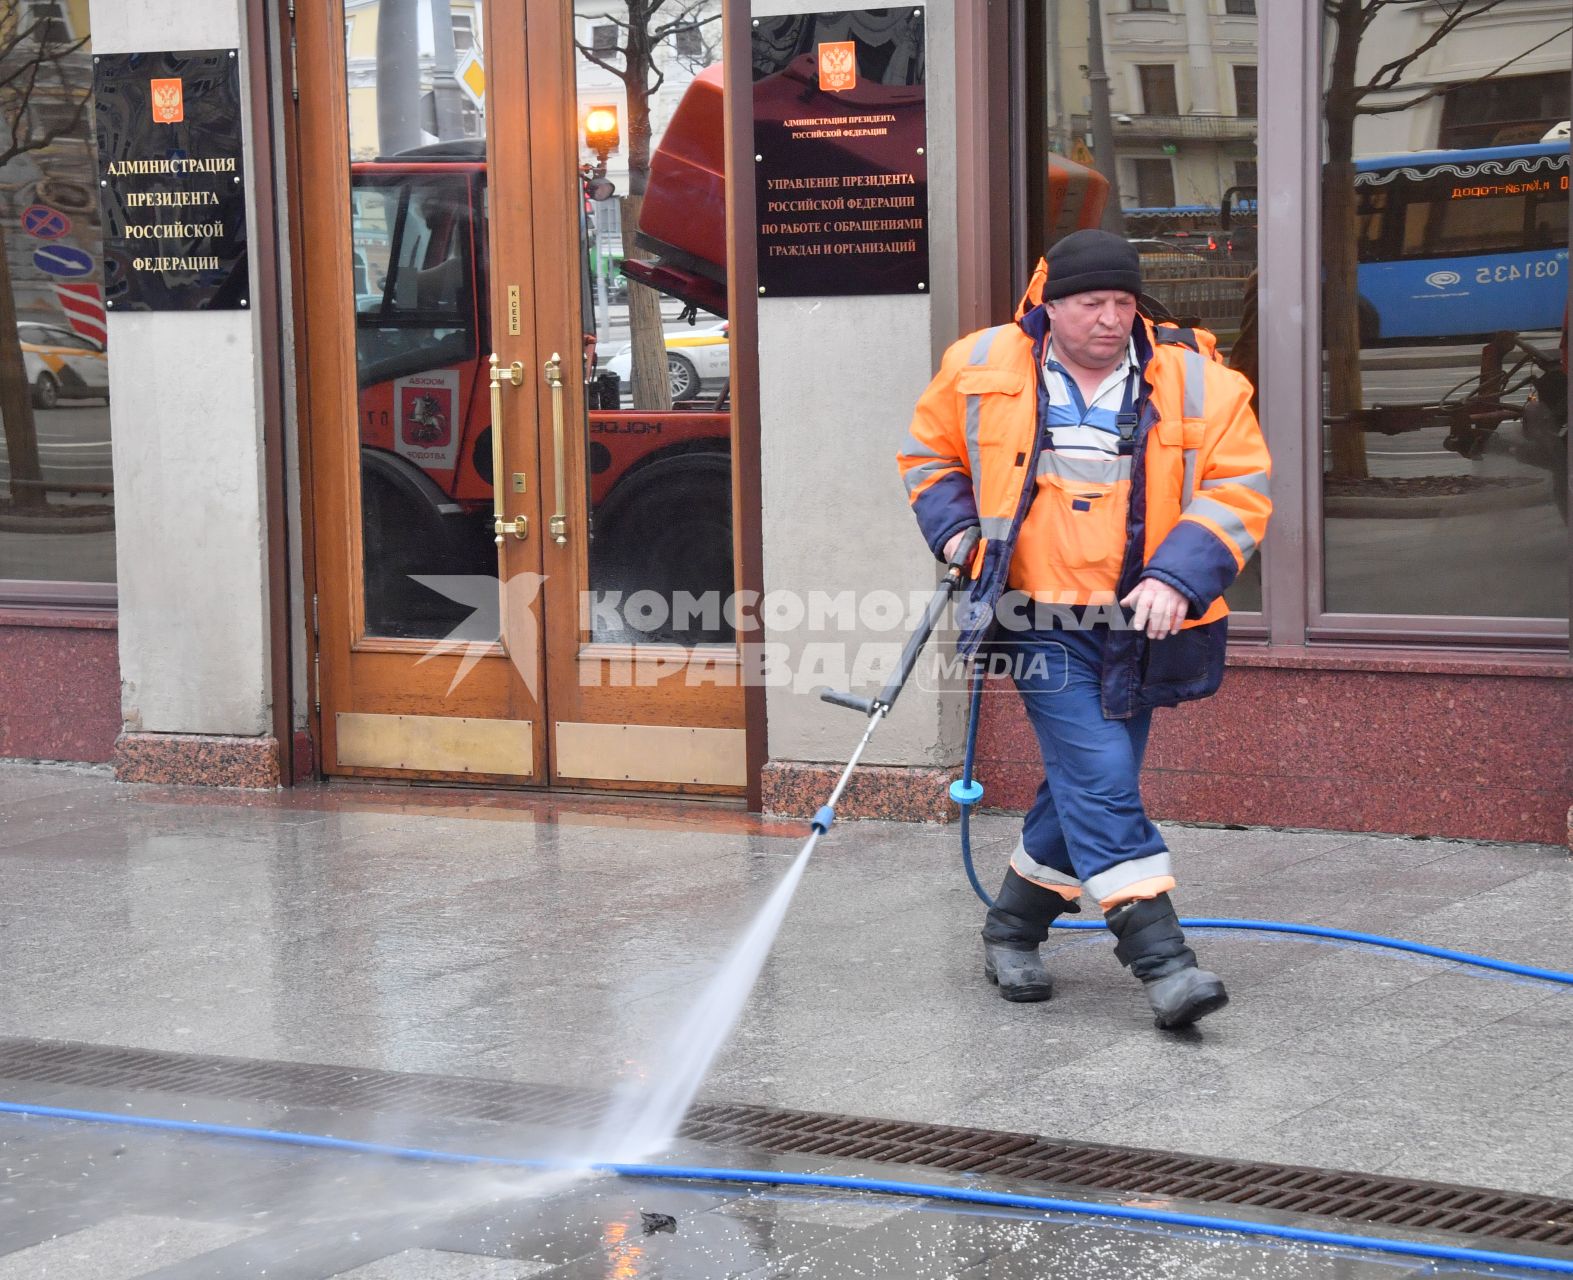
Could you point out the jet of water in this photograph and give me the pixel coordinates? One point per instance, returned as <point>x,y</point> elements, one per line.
<point>644,1118</point>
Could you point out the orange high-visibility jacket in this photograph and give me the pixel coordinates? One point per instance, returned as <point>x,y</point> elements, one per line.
<point>1198,497</point>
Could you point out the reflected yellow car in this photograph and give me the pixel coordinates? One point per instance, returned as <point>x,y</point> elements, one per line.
<point>62,365</point>
<point>693,356</point>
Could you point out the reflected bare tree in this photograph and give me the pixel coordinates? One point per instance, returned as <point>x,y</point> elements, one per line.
<point>32,69</point>
<point>642,27</point>
<point>1387,90</point>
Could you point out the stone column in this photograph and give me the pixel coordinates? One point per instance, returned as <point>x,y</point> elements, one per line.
<point>186,423</point>
<point>1204,65</point>
<point>838,380</point>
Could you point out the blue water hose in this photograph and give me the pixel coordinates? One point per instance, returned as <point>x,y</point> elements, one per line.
<point>1366,939</point>
<point>967,793</point>
<point>964,791</point>
<point>829,1182</point>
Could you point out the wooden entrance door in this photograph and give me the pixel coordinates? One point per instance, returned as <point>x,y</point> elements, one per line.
<point>510,586</point>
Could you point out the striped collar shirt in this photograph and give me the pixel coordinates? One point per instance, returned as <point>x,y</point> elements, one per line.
<point>1078,425</point>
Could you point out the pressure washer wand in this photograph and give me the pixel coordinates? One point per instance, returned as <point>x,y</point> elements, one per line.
<point>827,811</point>
<point>876,709</point>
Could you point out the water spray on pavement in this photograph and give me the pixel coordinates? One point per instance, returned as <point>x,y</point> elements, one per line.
<point>643,1119</point>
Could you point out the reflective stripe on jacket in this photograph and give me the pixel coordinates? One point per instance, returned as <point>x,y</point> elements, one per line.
<point>1198,505</point>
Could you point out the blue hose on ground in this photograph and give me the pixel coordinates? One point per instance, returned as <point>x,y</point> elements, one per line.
<point>830,1182</point>
<point>1351,935</point>
<point>967,793</point>
<point>964,791</point>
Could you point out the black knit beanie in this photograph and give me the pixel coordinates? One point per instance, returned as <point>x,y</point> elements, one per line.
<point>1087,260</point>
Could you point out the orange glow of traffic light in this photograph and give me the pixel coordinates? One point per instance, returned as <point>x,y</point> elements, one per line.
<point>600,130</point>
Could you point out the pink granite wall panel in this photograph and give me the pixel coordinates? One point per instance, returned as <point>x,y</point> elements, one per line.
<point>197,760</point>
<point>59,692</point>
<point>1421,753</point>
<point>795,788</point>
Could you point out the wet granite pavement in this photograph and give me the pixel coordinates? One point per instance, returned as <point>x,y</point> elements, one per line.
<point>466,934</point>
<point>100,1202</point>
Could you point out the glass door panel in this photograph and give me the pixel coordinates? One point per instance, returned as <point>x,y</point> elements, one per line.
<point>418,232</point>
<point>651,238</point>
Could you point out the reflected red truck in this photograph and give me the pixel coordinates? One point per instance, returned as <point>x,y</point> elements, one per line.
<point>683,220</point>
<point>423,343</point>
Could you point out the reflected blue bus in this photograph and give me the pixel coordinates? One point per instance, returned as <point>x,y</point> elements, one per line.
<point>1462,244</point>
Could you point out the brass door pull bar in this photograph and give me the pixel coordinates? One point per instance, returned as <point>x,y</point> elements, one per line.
<point>519,526</point>
<point>554,379</point>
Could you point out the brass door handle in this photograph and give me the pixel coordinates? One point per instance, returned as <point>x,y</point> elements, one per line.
<point>519,526</point>
<point>554,379</point>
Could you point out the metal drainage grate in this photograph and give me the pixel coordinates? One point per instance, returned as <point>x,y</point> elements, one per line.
<point>1349,1197</point>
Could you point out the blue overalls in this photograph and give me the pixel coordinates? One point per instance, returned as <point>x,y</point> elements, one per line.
<point>1087,828</point>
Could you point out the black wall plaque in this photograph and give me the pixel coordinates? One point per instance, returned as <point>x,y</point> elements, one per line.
<point>171,180</point>
<point>840,140</point>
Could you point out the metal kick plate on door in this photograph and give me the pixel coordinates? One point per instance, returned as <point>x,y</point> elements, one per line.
<point>651,753</point>
<point>435,744</point>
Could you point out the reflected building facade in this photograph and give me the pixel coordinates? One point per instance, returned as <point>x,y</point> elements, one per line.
<point>1444,323</point>
<point>57,484</point>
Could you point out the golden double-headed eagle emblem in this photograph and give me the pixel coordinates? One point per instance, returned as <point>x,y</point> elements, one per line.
<point>838,65</point>
<point>169,102</point>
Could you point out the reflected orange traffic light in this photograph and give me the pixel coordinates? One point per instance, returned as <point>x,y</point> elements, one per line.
<point>601,133</point>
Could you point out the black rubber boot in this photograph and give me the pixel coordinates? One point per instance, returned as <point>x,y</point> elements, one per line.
<point>1151,944</point>
<point>1017,924</point>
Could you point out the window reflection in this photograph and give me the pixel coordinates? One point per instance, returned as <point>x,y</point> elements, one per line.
<point>653,237</point>
<point>1165,155</point>
<point>1445,259</point>
<point>418,276</point>
<point>56,484</point>
<point>415,293</point>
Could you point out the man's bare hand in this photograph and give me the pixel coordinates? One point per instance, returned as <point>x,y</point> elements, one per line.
<point>950,546</point>
<point>1159,608</point>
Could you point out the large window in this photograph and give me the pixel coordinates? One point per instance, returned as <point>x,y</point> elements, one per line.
<point>1244,90</point>
<point>57,538</point>
<point>689,42</point>
<point>1445,259</point>
<point>1511,108</point>
<point>1154,182</point>
<point>1158,94</point>
<point>1115,150</point>
<point>53,22</point>
<point>1437,179</point>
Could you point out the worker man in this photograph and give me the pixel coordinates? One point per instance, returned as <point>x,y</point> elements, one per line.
<point>1119,480</point>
